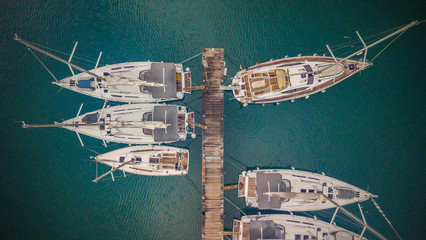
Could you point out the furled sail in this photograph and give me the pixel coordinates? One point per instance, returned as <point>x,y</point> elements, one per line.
<point>128,81</point>
<point>147,124</point>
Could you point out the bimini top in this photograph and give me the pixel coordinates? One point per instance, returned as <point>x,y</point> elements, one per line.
<point>266,229</point>
<point>270,182</point>
<point>164,73</point>
<point>168,115</point>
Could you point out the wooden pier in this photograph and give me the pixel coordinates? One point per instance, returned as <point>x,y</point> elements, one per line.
<point>212,173</point>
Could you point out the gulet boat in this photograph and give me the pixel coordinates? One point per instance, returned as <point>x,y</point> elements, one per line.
<point>297,77</point>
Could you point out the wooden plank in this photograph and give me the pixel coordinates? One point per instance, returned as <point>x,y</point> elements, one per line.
<point>212,171</point>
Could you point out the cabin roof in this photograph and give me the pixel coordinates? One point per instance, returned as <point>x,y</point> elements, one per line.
<point>156,75</point>
<point>275,185</point>
<point>159,114</point>
<point>265,229</point>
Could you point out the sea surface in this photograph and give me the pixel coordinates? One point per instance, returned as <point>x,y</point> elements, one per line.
<point>368,131</point>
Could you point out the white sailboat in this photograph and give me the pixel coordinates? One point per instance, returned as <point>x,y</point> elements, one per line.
<point>130,82</point>
<point>285,226</point>
<point>132,124</point>
<point>297,77</point>
<point>146,160</point>
<point>295,190</point>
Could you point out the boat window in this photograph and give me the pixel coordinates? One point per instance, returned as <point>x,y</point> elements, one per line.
<point>311,190</point>
<point>308,68</point>
<point>147,117</point>
<point>138,159</point>
<point>153,160</point>
<point>90,118</point>
<point>345,193</point>
<point>297,237</point>
<point>142,75</point>
<point>87,84</point>
<point>302,190</point>
<point>121,159</point>
<point>305,237</point>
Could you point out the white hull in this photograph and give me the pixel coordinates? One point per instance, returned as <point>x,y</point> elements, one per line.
<point>283,226</point>
<point>129,92</point>
<point>294,190</point>
<point>291,78</point>
<point>148,160</point>
<point>121,124</point>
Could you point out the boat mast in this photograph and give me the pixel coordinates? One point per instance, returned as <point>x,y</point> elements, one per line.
<point>406,27</point>
<point>31,46</point>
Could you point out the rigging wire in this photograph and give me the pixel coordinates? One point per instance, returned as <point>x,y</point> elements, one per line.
<point>67,54</point>
<point>387,46</point>
<point>47,69</point>
<point>383,214</point>
<point>368,37</point>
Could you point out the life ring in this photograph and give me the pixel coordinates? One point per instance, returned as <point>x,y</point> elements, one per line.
<point>188,128</point>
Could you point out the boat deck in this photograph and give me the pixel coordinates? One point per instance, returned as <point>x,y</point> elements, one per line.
<point>212,172</point>
<point>348,71</point>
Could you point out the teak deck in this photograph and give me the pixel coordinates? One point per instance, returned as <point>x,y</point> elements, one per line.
<point>212,173</point>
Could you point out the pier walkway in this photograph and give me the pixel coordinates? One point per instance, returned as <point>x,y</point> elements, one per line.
<point>212,173</point>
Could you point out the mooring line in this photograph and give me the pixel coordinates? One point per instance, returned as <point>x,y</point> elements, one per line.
<point>191,57</point>
<point>235,206</point>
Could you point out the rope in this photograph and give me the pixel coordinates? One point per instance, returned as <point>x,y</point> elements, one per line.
<point>192,184</point>
<point>387,46</point>
<point>192,57</point>
<point>51,49</point>
<point>235,206</point>
<point>234,159</point>
<point>193,140</point>
<point>383,214</point>
<point>47,69</point>
<point>91,150</point>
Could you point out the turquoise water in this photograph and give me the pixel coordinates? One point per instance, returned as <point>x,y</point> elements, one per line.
<point>368,130</point>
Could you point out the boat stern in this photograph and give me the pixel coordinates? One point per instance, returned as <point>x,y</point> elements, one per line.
<point>240,87</point>
<point>186,123</point>
<point>237,229</point>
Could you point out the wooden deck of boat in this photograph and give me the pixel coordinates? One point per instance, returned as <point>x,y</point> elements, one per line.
<point>212,172</point>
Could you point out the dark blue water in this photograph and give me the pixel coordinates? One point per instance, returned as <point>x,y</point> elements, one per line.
<point>368,130</point>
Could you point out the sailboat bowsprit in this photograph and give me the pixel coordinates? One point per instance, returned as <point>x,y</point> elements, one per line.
<point>132,124</point>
